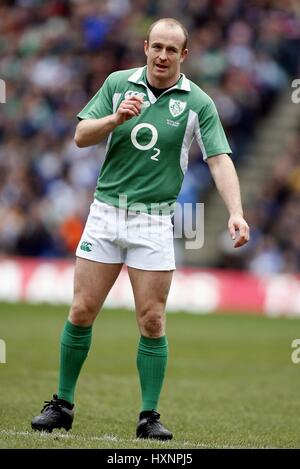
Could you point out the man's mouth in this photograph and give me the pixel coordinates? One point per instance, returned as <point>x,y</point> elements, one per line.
<point>161,67</point>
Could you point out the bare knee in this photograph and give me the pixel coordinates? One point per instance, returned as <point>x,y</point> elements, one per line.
<point>152,324</point>
<point>82,314</point>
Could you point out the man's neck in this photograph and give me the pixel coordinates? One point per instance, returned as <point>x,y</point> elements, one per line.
<point>157,91</point>
<point>160,84</point>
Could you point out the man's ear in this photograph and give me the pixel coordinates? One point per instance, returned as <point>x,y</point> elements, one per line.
<point>184,54</point>
<point>146,47</point>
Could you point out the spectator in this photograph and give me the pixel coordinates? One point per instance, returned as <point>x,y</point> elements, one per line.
<point>56,54</point>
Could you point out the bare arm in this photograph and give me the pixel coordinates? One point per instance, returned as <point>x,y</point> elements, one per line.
<point>226,179</point>
<point>92,131</point>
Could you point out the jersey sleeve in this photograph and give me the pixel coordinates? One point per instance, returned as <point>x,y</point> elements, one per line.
<point>100,105</point>
<point>210,134</point>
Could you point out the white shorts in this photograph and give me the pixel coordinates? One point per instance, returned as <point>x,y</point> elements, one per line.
<point>114,235</point>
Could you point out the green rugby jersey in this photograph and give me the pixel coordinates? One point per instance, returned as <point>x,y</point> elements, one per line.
<point>147,156</point>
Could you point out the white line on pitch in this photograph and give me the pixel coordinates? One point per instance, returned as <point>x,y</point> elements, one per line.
<point>111,438</point>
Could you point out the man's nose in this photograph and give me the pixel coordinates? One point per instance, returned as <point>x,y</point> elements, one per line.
<point>163,55</point>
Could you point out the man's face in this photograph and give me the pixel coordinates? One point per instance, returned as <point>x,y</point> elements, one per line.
<point>164,53</point>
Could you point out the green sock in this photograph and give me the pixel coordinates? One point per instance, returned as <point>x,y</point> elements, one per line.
<point>152,360</point>
<point>75,344</point>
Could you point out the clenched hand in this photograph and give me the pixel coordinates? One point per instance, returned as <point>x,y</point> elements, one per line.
<point>238,223</point>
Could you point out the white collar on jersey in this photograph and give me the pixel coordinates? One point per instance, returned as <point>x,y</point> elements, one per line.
<point>136,77</point>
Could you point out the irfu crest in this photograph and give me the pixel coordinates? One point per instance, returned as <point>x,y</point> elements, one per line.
<point>176,107</point>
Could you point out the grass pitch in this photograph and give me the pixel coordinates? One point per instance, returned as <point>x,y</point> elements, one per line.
<point>230,381</point>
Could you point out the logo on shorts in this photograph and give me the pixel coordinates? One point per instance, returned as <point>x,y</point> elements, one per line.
<point>85,246</point>
<point>176,107</point>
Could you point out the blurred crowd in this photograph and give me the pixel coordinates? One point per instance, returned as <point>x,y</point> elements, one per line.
<point>274,217</point>
<point>54,56</point>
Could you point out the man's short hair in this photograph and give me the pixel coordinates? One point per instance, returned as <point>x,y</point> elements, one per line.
<point>171,22</point>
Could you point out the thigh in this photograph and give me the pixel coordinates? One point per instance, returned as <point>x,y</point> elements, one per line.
<point>92,283</point>
<point>150,290</point>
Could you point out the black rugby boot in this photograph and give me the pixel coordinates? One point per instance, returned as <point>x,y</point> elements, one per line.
<point>56,413</point>
<point>149,426</point>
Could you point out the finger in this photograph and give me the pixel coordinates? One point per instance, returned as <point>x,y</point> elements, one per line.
<point>138,103</point>
<point>231,229</point>
<point>127,108</point>
<point>137,98</point>
<point>245,232</point>
<point>133,107</point>
<point>244,228</point>
<point>134,102</point>
<point>127,114</point>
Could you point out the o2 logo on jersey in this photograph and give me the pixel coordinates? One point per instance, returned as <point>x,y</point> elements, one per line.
<point>145,146</point>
